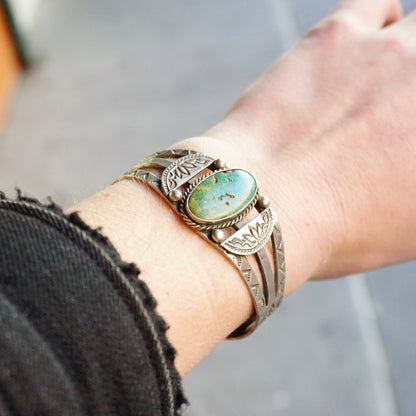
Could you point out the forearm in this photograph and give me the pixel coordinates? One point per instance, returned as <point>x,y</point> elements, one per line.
<point>198,292</point>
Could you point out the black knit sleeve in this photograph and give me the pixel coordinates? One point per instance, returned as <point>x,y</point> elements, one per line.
<point>79,334</point>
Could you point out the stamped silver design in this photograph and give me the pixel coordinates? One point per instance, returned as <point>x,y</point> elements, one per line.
<point>183,170</point>
<point>253,236</point>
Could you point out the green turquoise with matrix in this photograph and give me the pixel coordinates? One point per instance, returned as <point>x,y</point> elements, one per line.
<point>222,195</point>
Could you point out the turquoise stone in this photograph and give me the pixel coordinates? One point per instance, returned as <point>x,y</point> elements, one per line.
<point>222,195</point>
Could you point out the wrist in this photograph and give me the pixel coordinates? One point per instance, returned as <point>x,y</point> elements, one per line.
<point>305,226</point>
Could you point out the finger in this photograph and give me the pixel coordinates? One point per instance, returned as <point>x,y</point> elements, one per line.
<point>374,14</point>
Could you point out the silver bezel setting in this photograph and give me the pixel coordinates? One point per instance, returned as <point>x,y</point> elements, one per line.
<point>225,222</point>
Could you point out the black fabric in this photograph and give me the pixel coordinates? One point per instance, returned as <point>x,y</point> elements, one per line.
<point>78,330</point>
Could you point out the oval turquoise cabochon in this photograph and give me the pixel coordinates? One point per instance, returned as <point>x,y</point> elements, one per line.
<point>222,195</point>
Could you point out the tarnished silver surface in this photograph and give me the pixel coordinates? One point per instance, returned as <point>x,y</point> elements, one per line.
<point>279,266</point>
<point>184,169</point>
<point>143,175</point>
<point>253,236</point>
<point>266,270</point>
<point>157,162</point>
<point>169,170</point>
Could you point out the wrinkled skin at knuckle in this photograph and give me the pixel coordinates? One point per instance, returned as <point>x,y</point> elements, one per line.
<point>331,32</point>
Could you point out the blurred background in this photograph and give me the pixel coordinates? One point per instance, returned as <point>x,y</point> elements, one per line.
<point>106,83</point>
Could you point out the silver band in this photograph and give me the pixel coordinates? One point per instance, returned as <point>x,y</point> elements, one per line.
<point>176,174</point>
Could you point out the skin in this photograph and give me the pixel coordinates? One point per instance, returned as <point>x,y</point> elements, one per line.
<point>328,131</point>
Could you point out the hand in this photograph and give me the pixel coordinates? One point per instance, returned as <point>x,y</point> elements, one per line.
<point>329,131</point>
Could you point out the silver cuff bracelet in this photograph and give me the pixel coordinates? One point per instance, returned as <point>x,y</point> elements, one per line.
<point>215,200</point>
